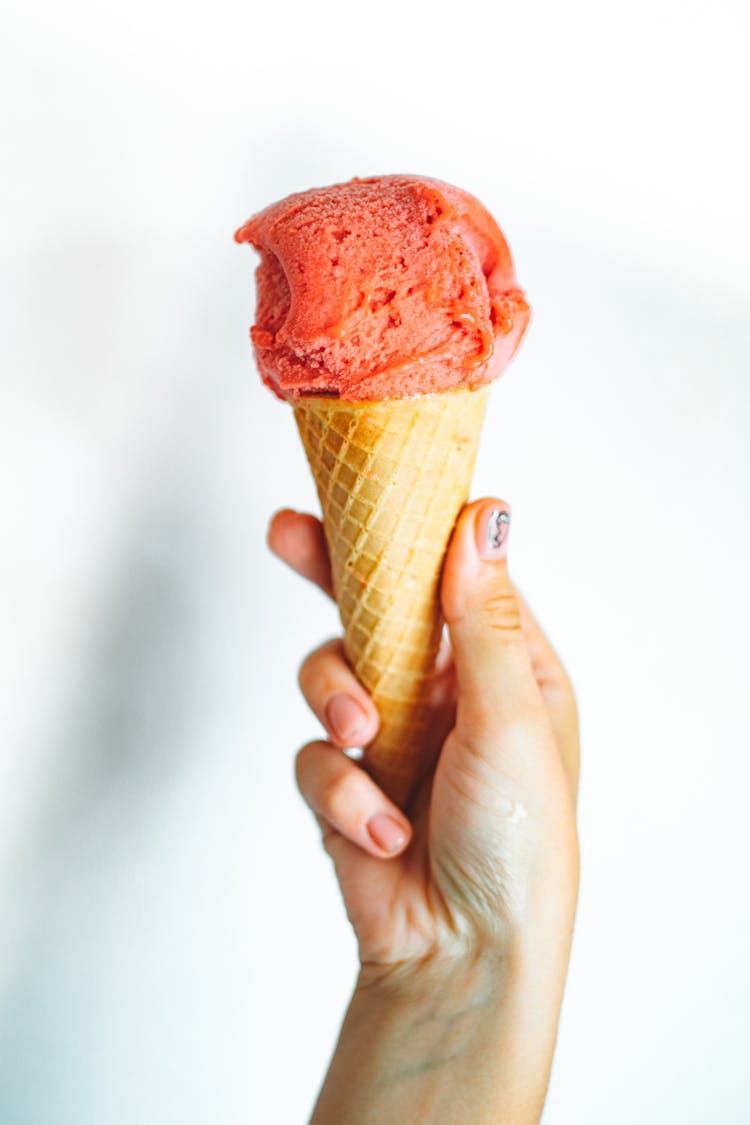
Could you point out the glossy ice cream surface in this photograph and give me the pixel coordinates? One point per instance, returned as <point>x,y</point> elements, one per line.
<point>389,287</point>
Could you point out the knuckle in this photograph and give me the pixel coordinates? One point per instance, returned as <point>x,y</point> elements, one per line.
<point>311,667</point>
<point>525,732</point>
<point>501,612</point>
<point>302,763</point>
<point>336,797</point>
<point>329,837</point>
<point>305,671</point>
<point>570,693</point>
<point>487,727</point>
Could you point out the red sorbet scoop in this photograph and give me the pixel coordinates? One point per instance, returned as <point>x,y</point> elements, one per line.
<point>383,288</point>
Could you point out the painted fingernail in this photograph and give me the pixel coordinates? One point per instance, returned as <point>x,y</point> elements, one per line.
<point>345,719</point>
<point>386,832</point>
<point>493,527</point>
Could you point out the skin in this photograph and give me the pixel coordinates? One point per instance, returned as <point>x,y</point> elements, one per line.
<point>464,909</point>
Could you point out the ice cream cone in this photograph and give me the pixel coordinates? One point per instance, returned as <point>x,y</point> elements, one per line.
<point>385,307</point>
<point>392,477</point>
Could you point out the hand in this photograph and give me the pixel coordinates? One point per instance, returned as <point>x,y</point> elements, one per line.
<point>489,860</point>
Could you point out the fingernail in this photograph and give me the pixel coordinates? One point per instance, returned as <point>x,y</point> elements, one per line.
<point>493,527</point>
<point>345,719</point>
<point>386,832</point>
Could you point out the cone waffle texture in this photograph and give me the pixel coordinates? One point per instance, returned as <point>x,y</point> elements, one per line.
<point>392,478</point>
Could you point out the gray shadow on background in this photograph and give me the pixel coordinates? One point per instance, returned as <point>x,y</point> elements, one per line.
<point>127,740</point>
<point>126,744</point>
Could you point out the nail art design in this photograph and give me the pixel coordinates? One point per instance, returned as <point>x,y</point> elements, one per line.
<point>498,525</point>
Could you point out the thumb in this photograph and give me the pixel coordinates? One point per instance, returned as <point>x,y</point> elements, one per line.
<point>494,675</point>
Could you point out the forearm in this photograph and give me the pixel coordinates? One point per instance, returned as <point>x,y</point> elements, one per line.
<point>470,1041</point>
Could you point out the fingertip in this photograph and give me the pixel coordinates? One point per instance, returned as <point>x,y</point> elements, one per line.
<point>338,790</point>
<point>278,526</point>
<point>480,535</point>
<point>389,835</point>
<point>493,669</point>
<point>351,717</point>
<point>337,698</point>
<point>491,530</point>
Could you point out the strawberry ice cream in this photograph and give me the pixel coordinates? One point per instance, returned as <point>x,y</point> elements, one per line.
<point>384,288</point>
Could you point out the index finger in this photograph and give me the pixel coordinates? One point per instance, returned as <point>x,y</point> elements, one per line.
<point>297,539</point>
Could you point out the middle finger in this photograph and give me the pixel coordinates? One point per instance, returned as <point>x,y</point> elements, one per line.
<point>337,698</point>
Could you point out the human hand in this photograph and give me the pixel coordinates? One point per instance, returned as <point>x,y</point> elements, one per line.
<point>488,859</point>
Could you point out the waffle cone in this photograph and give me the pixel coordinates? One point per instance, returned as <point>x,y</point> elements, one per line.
<point>392,478</point>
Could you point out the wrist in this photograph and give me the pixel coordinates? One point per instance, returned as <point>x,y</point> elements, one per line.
<point>428,1014</point>
<point>480,968</point>
<point>473,975</point>
<point>444,1040</point>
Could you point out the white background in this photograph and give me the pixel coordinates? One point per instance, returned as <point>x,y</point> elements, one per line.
<point>172,948</point>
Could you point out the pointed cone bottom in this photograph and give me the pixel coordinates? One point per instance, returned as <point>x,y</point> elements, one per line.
<point>392,478</point>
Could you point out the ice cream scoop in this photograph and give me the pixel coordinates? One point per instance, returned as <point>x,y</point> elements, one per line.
<point>388,287</point>
<point>385,308</point>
